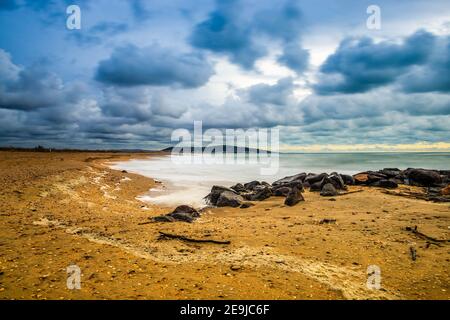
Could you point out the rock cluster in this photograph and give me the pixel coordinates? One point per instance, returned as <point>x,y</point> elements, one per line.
<point>329,185</point>
<point>392,177</point>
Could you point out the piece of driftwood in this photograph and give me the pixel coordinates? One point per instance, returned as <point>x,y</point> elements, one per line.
<point>163,235</point>
<point>424,236</point>
<point>418,195</point>
<point>350,192</point>
<point>142,223</point>
<point>413,253</point>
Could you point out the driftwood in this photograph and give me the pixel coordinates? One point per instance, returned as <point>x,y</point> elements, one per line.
<point>424,236</point>
<point>350,192</point>
<point>163,235</point>
<point>418,195</point>
<point>413,253</point>
<point>142,223</point>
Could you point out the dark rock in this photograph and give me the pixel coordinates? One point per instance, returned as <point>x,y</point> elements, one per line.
<point>316,186</point>
<point>246,205</point>
<point>182,216</point>
<point>287,180</point>
<point>238,188</point>
<point>390,172</point>
<point>336,180</point>
<point>251,185</point>
<point>315,178</point>
<point>215,193</point>
<point>261,194</point>
<point>124,171</point>
<point>229,199</point>
<point>294,196</point>
<point>266,184</point>
<point>424,178</point>
<point>186,209</point>
<point>373,177</point>
<point>281,191</point>
<point>181,213</point>
<point>348,179</point>
<point>328,190</point>
<point>385,184</point>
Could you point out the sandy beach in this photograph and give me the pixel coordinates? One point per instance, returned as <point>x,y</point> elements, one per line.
<point>62,208</point>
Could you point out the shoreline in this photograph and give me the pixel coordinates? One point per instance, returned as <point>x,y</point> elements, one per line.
<point>78,211</point>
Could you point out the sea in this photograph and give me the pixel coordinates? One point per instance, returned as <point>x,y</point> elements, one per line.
<point>188,179</point>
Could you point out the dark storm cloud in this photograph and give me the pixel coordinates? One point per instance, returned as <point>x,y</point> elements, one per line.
<point>156,66</point>
<point>232,31</point>
<point>359,65</point>
<point>277,94</point>
<point>33,87</point>
<point>434,76</point>
<point>294,57</point>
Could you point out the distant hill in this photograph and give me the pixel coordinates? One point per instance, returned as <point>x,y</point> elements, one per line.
<point>236,149</point>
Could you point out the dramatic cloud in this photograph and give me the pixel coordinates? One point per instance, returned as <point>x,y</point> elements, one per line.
<point>33,87</point>
<point>359,65</point>
<point>235,30</point>
<point>136,71</point>
<point>156,66</point>
<point>277,94</point>
<point>98,33</point>
<point>434,76</point>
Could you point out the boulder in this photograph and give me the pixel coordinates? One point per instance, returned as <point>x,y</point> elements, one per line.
<point>186,209</point>
<point>336,180</point>
<point>215,193</point>
<point>289,179</point>
<point>281,191</point>
<point>389,184</point>
<point>251,185</point>
<point>229,199</point>
<point>390,172</point>
<point>348,179</point>
<point>261,194</point>
<point>316,186</point>
<point>424,178</point>
<point>294,196</point>
<point>361,178</point>
<point>182,216</point>
<point>328,190</point>
<point>181,213</point>
<point>311,179</point>
<point>239,187</point>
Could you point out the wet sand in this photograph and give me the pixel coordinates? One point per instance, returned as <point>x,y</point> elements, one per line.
<point>59,209</point>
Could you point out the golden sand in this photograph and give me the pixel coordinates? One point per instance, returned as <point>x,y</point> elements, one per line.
<point>59,209</point>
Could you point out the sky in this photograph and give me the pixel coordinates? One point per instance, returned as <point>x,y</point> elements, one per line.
<point>137,70</point>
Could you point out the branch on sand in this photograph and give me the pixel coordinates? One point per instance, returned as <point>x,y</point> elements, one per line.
<point>350,192</point>
<point>424,236</point>
<point>163,235</point>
